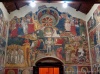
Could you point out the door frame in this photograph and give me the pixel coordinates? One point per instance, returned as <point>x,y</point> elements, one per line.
<point>48,62</point>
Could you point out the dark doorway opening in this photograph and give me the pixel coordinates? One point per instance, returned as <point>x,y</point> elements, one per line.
<point>48,65</point>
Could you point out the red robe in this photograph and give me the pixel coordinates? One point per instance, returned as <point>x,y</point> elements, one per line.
<point>30,28</point>
<point>59,41</point>
<point>38,43</point>
<point>59,55</point>
<point>73,30</point>
<point>14,32</point>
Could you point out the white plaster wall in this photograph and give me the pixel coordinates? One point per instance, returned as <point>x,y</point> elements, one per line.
<point>6,14</point>
<point>24,10</point>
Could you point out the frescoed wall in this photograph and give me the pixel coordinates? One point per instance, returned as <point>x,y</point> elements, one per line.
<point>1,70</point>
<point>94,38</point>
<point>47,32</point>
<point>71,70</point>
<point>93,56</point>
<point>11,71</point>
<point>3,37</point>
<point>25,71</point>
<point>94,68</point>
<point>77,69</point>
<point>84,69</point>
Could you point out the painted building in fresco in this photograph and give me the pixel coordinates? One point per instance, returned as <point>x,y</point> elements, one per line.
<point>49,32</point>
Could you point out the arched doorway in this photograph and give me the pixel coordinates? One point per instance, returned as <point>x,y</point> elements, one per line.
<point>48,65</point>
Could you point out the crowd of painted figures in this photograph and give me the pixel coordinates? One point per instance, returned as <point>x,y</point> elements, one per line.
<point>62,36</point>
<point>49,32</point>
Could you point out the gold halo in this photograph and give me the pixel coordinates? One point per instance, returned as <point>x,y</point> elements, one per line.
<point>69,68</point>
<point>84,68</point>
<point>11,72</point>
<point>25,71</point>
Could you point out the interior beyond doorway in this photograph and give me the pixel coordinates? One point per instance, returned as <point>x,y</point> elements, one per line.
<point>49,70</point>
<point>48,65</point>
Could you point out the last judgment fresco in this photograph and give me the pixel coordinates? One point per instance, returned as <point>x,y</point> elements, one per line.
<point>47,32</point>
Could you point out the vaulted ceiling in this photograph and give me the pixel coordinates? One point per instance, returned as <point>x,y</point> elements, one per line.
<point>80,5</point>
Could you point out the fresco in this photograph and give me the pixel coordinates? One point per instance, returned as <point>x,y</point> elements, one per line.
<point>93,55</point>
<point>70,69</point>
<point>84,69</point>
<point>47,32</point>
<point>98,68</point>
<point>25,71</point>
<point>94,68</point>
<point>96,15</point>
<point>91,24</point>
<point>11,71</point>
<point>98,33</point>
<point>15,55</point>
<point>3,36</point>
<point>1,70</point>
<point>93,35</point>
<point>97,51</point>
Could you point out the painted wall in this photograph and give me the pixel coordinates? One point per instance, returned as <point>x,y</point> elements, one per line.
<point>4,18</point>
<point>65,37</point>
<point>93,26</point>
<point>67,43</point>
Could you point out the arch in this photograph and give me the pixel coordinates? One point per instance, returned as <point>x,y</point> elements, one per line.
<point>49,60</point>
